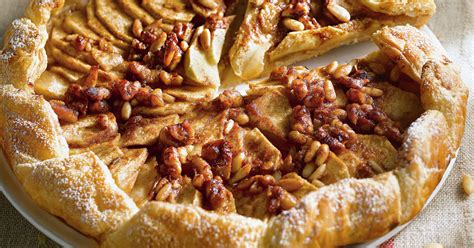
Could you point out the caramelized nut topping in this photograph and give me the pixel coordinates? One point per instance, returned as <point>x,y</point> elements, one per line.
<point>64,113</point>
<point>279,200</point>
<point>219,156</point>
<point>177,135</point>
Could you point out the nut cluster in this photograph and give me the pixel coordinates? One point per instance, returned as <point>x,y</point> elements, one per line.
<point>278,192</point>
<point>81,43</point>
<point>177,135</point>
<point>160,45</point>
<point>82,98</point>
<point>298,16</point>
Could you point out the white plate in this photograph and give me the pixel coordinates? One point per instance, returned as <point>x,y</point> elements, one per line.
<point>66,236</point>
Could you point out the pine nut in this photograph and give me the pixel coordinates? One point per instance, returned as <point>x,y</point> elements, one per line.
<point>329,91</point>
<point>237,162</point>
<point>376,167</point>
<point>293,24</point>
<point>339,12</point>
<point>88,47</point>
<point>210,4</point>
<point>156,98</point>
<point>372,91</point>
<point>331,68</point>
<point>168,98</point>
<point>165,77</point>
<point>290,184</point>
<point>182,154</point>
<point>318,173</point>
<point>137,28</point>
<point>468,184</point>
<point>184,45</point>
<point>126,111</point>
<point>342,71</point>
<point>258,2</point>
<point>205,39</point>
<point>288,201</point>
<point>313,148</point>
<point>242,119</point>
<point>308,170</point>
<point>318,183</point>
<point>164,192</point>
<point>176,80</point>
<point>134,102</point>
<point>341,114</point>
<point>322,155</point>
<point>228,126</point>
<point>158,43</point>
<point>297,137</point>
<point>241,174</point>
<point>71,37</point>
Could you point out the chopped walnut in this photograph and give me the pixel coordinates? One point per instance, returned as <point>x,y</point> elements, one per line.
<point>217,196</point>
<point>219,155</point>
<point>228,99</point>
<point>63,112</point>
<point>279,200</point>
<point>126,90</point>
<point>172,163</point>
<point>333,136</point>
<point>367,119</point>
<point>177,135</point>
<point>256,184</point>
<point>302,120</point>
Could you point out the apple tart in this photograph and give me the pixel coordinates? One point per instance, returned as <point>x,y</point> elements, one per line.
<point>111,120</point>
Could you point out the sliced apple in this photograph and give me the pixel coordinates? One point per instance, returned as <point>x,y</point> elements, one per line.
<point>51,85</point>
<point>201,65</point>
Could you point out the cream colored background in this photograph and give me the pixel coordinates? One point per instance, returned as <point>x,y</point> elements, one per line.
<point>448,220</point>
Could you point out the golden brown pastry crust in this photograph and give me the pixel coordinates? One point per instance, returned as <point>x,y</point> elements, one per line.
<point>81,190</point>
<point>29,128</point>
<point>160,224</point>
<point>427,63</point>
<point>23,57</point>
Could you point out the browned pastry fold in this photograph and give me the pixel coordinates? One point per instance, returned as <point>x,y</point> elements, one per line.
<point>23,57</point>
<point>161,224</point>
<point>80,190</point>
<point>29,128</point>
<point>427,63</point>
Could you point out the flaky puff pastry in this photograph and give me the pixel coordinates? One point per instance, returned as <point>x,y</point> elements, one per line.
<point>257,49</point>
<point>428,64</point>
<point>29,128</point>
<point>80,190</point>
<point>23,58</point>
<point>160,224</point>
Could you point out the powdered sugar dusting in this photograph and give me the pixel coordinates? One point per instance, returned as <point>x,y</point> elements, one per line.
<point>161,224</point>
<point>31,130</point>
<point>80,190</point>
<point>24,33</point>
<point>355,199</point>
